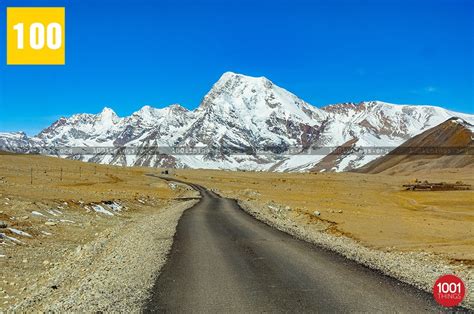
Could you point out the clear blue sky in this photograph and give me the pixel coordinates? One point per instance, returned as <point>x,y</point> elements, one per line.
<point>126,54</point>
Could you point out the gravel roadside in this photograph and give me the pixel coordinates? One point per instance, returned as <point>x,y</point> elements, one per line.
<point>418,269</point>
<point>114,272</point>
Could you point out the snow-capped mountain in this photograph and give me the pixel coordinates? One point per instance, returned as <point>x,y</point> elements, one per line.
<point>242,123</point>
<point>15,142</point>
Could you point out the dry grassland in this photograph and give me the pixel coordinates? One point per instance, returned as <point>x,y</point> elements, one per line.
<point>372,209</point>
<point>60,216</point>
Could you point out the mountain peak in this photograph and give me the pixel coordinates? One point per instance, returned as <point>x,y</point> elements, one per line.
<point>251,100</point>
<point>232,76</point>
<point>107,115</point>
<point>107,111</point>
<point>228,75</point>
<point>146,110</point>
<point>177,107</point>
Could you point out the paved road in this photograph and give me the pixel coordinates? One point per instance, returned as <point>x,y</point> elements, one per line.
<point>223,261</point>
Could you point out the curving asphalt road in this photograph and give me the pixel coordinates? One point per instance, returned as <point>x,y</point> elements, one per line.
<point>225,261</point>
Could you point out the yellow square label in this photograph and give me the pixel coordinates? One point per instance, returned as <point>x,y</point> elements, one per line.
<point>36,36</point>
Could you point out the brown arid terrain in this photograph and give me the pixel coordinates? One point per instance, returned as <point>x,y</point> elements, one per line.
<point>413,236</point>
<point>94,238</point>
<point>372,209</point>
<point>454,135</point>
<point>82,236</point>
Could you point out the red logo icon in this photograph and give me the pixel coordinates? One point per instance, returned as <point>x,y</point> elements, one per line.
<point>449,290</point>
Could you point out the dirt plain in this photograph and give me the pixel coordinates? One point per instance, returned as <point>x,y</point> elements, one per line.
<point>47,215</point>
<point>69,211</point>
<point>372,209</point>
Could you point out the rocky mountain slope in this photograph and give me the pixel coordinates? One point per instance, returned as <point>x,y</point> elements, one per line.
<point>448,145</point>
<point>242,123</point>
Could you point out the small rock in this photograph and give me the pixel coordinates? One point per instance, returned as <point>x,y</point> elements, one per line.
<point>3,224</point>
<point>78,249</point>
<point>339,211</point>
<point>25,217</point>
<point>316,213</point>
<point>25,261</point>
<point>50,223</point>
<point>45,263</point>
<point>88,248</point>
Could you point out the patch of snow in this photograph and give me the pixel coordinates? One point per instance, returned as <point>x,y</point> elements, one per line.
<point>101,210</point>
<point>51,212</point>
<point>12,239</point>
<point>19,232</point>
<point>115,206</point>
<point>467,125</point>
<point>35,213</point>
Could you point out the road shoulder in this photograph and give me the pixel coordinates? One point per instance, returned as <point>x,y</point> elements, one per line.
<point>115,272</point>
<point>418,269</point>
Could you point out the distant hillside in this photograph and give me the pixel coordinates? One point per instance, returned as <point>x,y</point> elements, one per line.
<point>453,133</point>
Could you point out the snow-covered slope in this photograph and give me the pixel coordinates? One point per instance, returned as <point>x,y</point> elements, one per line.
<point>14,141</point>
<point>376,124</point>
<point>242,123</point>
<point>245,111</point>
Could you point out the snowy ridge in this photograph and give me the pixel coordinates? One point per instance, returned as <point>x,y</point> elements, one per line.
<point>239,117</point>
<point>464,123</point>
